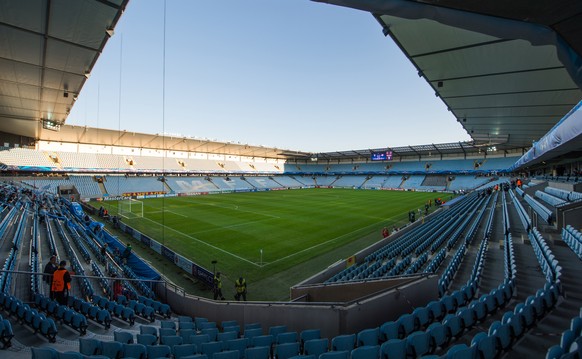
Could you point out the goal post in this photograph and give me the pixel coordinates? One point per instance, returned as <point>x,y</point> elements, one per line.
<point>130,208</point>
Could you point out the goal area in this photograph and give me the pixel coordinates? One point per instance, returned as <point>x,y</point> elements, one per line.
<point>130,208</point>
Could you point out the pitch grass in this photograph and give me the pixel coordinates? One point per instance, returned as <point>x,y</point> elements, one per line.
<point>300,232</point>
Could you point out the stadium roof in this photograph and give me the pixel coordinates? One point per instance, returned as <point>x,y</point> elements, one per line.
<point>508,71</point>
<point>406,151</point>
<point>47,52</point>
<point>123,138</point>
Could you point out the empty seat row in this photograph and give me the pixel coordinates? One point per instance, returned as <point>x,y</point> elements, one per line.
<point>38,322</point>
<point>523,216</point>
<point>548,198</point>
<point>570,342</point>
<point>573,239</point>
<point>160,308</point>
<point>115,308</point>
<point>503,334</point>
<point>62,313</point>
<point>542,211</point>
<point>570,196</point>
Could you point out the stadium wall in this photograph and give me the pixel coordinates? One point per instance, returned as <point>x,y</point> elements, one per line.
<point>332,318</point>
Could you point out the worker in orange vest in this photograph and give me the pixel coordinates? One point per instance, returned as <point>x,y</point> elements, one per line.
<point>61,284</point>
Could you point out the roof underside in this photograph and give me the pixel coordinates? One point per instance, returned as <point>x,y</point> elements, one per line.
<point>436,149</point>
<point>507,71</point>
<point>100,136</point>
<point>47,51</point>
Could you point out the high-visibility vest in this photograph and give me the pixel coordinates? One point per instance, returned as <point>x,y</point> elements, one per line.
<point>217,282</point>
<point>58,284</point>
<point>240,286</point>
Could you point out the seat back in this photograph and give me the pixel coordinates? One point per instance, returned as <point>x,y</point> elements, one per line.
<point>343,342</point>
<point>137,351</point>
<point>123,337</point>
<point>112,349</point>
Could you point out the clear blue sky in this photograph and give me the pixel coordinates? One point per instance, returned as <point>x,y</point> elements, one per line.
<point>291,74</point>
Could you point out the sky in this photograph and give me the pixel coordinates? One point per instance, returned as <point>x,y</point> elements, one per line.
<point>290,74</point>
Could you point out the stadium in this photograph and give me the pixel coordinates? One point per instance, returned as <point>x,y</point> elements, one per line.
<point>467,249</point>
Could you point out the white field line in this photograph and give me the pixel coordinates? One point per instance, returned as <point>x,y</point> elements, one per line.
<point>328,241</point>
<point>177,214</point>
<point>200,241</point>
<point>234,207</point>
<point>234,225</point>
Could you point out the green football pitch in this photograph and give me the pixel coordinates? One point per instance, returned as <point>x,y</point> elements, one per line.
<point>274,239</point>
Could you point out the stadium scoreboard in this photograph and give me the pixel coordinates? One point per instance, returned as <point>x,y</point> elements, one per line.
<point>382,156</point>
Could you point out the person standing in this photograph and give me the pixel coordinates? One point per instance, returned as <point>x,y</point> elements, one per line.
<point>217,287</point>
<point>49,269</point>
<point>117,287</point>
<point>240,285</point>
<point>61,284</point>
<point>385,232</point>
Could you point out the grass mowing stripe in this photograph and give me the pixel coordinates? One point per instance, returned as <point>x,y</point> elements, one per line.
<point>199,241</point>
<point>300,231</point>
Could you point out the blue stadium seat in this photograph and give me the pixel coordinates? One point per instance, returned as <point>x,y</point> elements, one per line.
<point>455,325</point>
<point>486,345</point>
<point>462,351</point>
<point>287,337</point>
<point>137,351</point>
<point>408,323</point>
<point>502,332</point>
<point>424,316</point>
<point>555,352</point>
<point>70,355</point>
<point>199,340</point>
<point>210,348</point>
<point>226,336</point>
<point>437,310</point>
<point>239,344</point>
<point>309,334</point>
<point>89,346</point>
<point>368,337</point>
<point>44,353</point>
<point>345,342</point>
<point>158,351</point>
<point>334,355</point>
<point>389,330</point>
<point>123,337</point>
<point>172,340</point>
<point>146,329</point>
<point>184,350</point>
<point>418,344</point>
<point>253,332</point>
<point>146,339</point>
<point>277,329</point>
<point>316,347</point>
<point>112,349</point>
<point>228,354</point>
<point>186,334</point>
<point>258,353</point>
<point>287,350</point>
<point>393,349</point>
<point>262,341</point>
<point>366,352</point>
<point>440,334</point>
<point>212,333</point>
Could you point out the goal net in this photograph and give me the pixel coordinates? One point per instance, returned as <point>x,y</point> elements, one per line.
<point>130,208</point>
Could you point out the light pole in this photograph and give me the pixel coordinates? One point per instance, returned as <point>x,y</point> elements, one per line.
<point>214,266</point>
<point>261,256</point>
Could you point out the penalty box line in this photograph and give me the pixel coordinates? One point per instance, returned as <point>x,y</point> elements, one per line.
<point>201,241</point>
